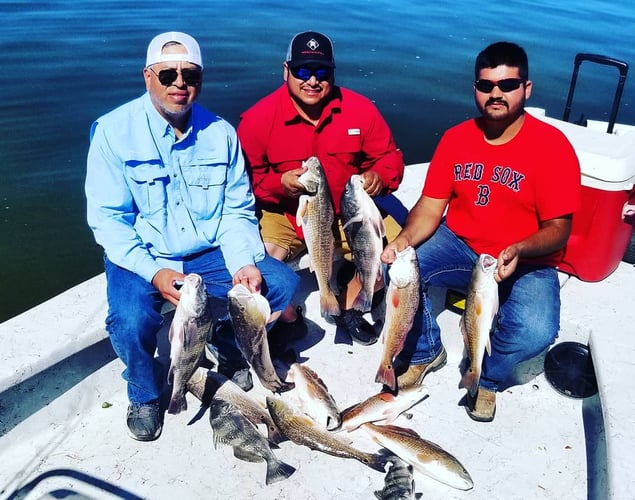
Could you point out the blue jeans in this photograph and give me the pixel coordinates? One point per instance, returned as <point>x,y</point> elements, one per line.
<point>134,315</point>
<point>527,322</point>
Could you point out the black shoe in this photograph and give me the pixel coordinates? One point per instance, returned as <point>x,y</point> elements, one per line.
<point>282,333</point>
<point>237,372</point>
<point>144,421</point>
<point>360,330</point>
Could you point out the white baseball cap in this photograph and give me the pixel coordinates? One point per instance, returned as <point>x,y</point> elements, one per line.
<point>158,42</point>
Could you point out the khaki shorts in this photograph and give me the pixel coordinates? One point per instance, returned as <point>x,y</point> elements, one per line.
<point>276,229</point>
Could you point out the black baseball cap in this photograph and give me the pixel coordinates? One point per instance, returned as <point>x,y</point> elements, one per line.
<point>310,47</point>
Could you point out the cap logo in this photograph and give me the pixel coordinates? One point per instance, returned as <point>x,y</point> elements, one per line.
<point>312,44</point>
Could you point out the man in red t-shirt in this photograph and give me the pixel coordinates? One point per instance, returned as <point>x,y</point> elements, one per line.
<point>310,116</point>
<point>510,184</point>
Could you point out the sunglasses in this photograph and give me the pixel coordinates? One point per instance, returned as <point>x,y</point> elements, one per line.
<point>303,73</point>
<point>506,85</point>
<point>167,77</point>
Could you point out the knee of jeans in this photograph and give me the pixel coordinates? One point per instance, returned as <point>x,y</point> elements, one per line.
<point>133,325</point>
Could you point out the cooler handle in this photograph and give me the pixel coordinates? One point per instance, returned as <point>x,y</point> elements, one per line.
<point>608,61</point>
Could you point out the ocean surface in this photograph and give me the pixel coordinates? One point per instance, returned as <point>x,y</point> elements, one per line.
<point>71,61</point>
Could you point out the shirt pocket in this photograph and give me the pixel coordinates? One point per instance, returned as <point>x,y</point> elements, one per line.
<point>347,150</point>
<point>148,184</point>
<point>204,182</point>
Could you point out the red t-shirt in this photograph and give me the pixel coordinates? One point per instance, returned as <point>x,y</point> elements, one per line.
<point>499,194</point>
<point>350,138</point>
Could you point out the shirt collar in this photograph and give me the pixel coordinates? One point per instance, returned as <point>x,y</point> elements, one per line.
<point>160,125</point>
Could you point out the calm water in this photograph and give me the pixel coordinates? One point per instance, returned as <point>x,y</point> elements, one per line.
<point>70,61</point>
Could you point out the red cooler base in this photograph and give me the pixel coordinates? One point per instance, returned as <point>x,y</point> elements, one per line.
<point>599,236</point>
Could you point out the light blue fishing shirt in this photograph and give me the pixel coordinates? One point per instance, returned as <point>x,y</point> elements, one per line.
<point>153,200</point>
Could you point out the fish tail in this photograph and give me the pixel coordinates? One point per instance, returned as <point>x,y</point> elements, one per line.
<point>178,403</point>
<point>362,302</point>
<point>328,304</point>
<point>274,436</point>
<point>470,381</point>
<point>278,471</point>
<point>377,462</point>
<point>386,375</point>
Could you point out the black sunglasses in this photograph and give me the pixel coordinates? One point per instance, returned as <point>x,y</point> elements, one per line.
<point>506,85</point>
<point>303,73</point>
<point>167,77</point>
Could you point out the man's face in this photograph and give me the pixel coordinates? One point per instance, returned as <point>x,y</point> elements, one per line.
<point>496,104</point>
<point>173,99</point>
<point>309,91</point>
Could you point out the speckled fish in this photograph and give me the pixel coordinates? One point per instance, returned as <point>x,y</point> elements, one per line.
<point>399,483</point>
<point>205,384</point>
<point>425,456</point>
<point>315,216</point>
<point>364,228</point>
<point>402,301</point>
<point>232,428</point>
<point>481,306</point>
<point>249,314</point>
<point>314,396</point>
<point>302,430</point>
<point>188,333</point>
<point>382,408</point>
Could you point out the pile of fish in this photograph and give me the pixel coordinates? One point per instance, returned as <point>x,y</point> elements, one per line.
<point>313,418</point>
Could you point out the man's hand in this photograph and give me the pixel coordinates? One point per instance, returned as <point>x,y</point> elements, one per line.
<point>507,262</point>
<point>373,184</point>
<point>290,183</point>
<point>164,281</point>
<point>248,276</point>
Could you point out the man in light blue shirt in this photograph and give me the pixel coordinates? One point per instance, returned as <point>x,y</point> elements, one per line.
<point>168,195</point>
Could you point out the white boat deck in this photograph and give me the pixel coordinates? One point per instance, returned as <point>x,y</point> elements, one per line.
<point>63,404</point>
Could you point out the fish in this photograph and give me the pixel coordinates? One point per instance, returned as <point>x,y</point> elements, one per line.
<point>382,408</point>
<point>315,215</point>
<point>314,396</point>
<point>249,313</point>
<point>205,384</point>
<point>188,334</point>
<point>303,431</point>
<point>399,483</point>
<point>481,306</point>
<point>232,428</point>
<point>364,228</point>
<point>425,456</point>
<point>402,301</point>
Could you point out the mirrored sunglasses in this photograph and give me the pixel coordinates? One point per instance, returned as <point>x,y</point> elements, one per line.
<point>304,73</point>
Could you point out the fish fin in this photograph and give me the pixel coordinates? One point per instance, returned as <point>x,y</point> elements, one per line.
<point>386,375</point>
<point>488,347</point>
<point>246,455</point>
<point>356,218</point>
<point>278,471</point>
<point>302,207</point>
<point>379,494</point>
<point>178,403</point>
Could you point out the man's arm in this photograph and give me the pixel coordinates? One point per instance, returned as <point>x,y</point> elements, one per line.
<point>422,222</point>
<point>550,237</point>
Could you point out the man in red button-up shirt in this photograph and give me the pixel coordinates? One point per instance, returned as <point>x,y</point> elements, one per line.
<point>310,116</point>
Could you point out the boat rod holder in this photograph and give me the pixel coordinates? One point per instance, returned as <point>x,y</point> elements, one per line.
<point>608,61</point>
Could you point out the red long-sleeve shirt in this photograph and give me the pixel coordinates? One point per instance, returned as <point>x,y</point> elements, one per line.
<point>351,137</point>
